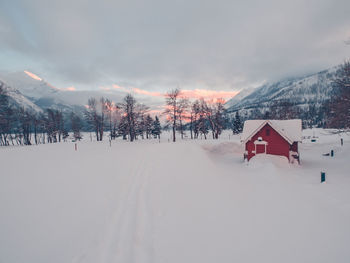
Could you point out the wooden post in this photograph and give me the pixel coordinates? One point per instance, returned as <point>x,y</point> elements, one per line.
<point>323,177</point>
<point>75,146</point>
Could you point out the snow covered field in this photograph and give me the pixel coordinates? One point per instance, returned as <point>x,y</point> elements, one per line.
<point>189,201</point>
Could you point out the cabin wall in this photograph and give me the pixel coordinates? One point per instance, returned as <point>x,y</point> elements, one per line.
<point>277,145</point>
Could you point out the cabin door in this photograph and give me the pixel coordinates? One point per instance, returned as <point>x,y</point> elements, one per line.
<point>260,148</point>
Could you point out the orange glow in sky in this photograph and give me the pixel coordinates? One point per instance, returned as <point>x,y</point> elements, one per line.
<point>72,88</point>
<point>32,75</point>
<point>191,94</point>
<point>209,94</point>
<point>146,92</point>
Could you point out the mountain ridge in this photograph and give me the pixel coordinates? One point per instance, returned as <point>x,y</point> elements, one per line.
<point>313,89</point>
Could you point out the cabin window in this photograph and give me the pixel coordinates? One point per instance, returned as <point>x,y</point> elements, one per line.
<point>267,132</point>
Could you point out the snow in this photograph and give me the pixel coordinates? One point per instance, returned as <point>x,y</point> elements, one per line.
<point>241,95</point>
<point>189,201</point>
<point>17,98</point>
<point>30,86</point>
<point>31,92</point>
<point>289,129</point>
<point>311,90</point>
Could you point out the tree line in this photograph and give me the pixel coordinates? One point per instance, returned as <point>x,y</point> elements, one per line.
<point>128,119</point>
<point>20,126</point>
<point>200,117</point>
<point>131,120</point>
<point>334,113</point>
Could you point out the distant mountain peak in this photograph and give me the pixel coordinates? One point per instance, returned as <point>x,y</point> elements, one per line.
<point>29,84</point>
<point>311,89</point>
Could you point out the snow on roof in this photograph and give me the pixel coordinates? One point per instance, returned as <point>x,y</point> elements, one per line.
<point>289,129</point>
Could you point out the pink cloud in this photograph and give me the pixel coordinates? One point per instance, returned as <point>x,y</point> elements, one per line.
<point>146,92</point>
<point>72,88</point>
<point>208,94</point>
<point>120,88</point>
<point>191,94</point>
<point>32,75</point>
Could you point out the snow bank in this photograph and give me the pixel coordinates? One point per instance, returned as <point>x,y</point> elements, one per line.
<point>191,201</point>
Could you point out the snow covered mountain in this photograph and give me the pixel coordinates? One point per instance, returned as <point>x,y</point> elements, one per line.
<point>29,84</point>
<point>17,99</point>
<point>31,90</point>
<point>302,91</point>
<point>236,99</point>
<point>28,90</point>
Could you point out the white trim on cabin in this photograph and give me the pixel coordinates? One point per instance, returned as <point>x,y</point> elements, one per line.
<point>275,127</point>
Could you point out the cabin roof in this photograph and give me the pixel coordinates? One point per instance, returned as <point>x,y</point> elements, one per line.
<point>288,129</point>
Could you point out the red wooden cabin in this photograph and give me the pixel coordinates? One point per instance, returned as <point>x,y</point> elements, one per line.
<point>276,137</point>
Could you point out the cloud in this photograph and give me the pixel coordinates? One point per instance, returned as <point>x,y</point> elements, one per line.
<point>114,86</point>
<point>148,93</point>
<point>191,94</point>
<point>209,94</point>
<point>69,89</point>
<point>157,45</point>
<point>32,75</point>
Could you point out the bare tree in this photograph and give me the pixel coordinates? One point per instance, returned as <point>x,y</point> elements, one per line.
<point>141,119</point>
<point>95,116</point>
<point>91,116</point>
<point>218,117</point>
<point>104,110</point>
<point>25,120</point>
<point>182,114</point>
<point>129,110</point>
<point>195,109</point>
<point>339,115</point>
<point>172,107</point>
<point>202,120</point>
<point>109,110</point>
<point>76,126</point>
<point>6,117</point>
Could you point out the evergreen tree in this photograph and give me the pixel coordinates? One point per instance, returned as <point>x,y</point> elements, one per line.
<point>157,129</point>
<point>148,126</point>
<point>237,125</point>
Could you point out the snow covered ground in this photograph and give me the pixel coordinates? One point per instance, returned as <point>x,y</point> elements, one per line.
<point>189,201</point>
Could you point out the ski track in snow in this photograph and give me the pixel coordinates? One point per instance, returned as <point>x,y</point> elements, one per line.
<point>130,234</point>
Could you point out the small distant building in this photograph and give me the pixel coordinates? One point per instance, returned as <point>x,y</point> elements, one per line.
<point>276,137</point>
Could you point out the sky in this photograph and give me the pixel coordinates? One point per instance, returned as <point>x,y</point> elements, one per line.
<point>157,45</point>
